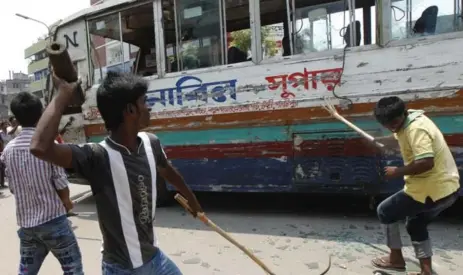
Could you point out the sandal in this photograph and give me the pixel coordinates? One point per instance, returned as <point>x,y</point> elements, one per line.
<point>383,263</point>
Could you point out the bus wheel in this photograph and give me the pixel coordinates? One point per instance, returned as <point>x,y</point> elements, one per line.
<point>164,196</point>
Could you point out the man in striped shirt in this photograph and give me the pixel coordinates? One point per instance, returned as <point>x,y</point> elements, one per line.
<point>42,196</point>
<point>124,172</point>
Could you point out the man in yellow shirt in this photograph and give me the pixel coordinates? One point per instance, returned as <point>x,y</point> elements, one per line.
<point>431,178</point>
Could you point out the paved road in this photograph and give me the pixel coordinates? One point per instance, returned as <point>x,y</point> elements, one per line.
<point>278,230</point>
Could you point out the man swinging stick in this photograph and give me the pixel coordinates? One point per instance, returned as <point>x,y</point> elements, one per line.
<point>431,180</point>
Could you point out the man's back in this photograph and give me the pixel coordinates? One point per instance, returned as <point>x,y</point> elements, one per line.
<point>33,182</point>
<point>421,138</point>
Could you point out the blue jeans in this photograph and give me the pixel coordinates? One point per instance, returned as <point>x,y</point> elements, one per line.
<point>55,236</point>
<point>417,216</point>
<point>159,265</point>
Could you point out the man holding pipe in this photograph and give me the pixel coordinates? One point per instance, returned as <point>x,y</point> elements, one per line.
<point>431,181</point>
<point>123,171</point>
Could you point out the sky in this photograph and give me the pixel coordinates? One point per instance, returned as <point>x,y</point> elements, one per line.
<point>18,33</point>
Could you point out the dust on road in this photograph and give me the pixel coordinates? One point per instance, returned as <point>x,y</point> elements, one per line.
<point>290,234</point>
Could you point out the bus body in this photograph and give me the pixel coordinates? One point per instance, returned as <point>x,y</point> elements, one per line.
<point>236,87</point>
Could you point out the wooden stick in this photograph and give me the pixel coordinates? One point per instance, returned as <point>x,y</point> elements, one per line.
<point>221,232</point>
<point>332,110</point>
<point>88,194</point>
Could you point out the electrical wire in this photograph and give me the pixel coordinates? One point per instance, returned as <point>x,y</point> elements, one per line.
<point>394,8</point>
<point>343,60</point>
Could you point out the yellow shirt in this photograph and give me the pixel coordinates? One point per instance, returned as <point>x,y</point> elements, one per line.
<point>420,138</point>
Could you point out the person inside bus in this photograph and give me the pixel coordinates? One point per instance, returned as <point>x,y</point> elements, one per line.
<point>358,34</point>
<point>286,46</point>
<point>431,178</point>
<point>426,24</point>
<point>236,55</point>
<point>123,172</point>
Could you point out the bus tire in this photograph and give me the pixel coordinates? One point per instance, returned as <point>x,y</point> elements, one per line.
<point>164,196</point>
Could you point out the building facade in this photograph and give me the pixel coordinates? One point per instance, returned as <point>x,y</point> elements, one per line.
<point>37,67</point>
<point>17,82</point>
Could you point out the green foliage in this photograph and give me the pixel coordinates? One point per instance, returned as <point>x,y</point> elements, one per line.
<point>242,40</point>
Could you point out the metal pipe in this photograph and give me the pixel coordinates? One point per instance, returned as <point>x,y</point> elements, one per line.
<point>224,31</point>
<point>221,32</point>
<point>121,41</point>
<point>178,39</point>
<point>290,34</point>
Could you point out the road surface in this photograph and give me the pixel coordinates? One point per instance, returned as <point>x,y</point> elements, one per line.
<point>290,238</point>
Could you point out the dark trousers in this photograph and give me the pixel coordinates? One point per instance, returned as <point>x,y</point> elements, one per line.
<point>417,216</point>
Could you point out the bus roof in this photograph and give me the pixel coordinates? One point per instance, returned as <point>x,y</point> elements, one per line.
<point>94,10</point>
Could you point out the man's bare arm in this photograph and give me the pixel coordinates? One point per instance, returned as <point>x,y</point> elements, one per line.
<point>43,144</point>
<point>416,167</point>
<point>171,175</point>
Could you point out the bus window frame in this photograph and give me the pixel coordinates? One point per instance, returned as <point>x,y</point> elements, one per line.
<point>386,36</point>
<point>118,11</point>
<point>160,53</point>
<point>322,54</point>
<point>383,36</point>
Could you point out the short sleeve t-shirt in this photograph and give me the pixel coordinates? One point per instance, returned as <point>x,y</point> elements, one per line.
<point>124,185</point>
<point>420,138</point>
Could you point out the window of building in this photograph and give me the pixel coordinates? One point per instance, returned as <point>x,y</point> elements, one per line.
<point>414,18</point>
<point>124,41</point>
<point>41,74</point>
<point>37,57</point>
<point>31,59</point>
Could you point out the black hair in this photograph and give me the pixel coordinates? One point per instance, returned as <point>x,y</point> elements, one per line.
<point>27,108</point>
<point>389,108</point>
<point>116,92</point>
<point>11,119</point>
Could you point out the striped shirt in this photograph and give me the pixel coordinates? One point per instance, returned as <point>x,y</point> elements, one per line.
<point>125,187</point>
<point>32,182</point>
